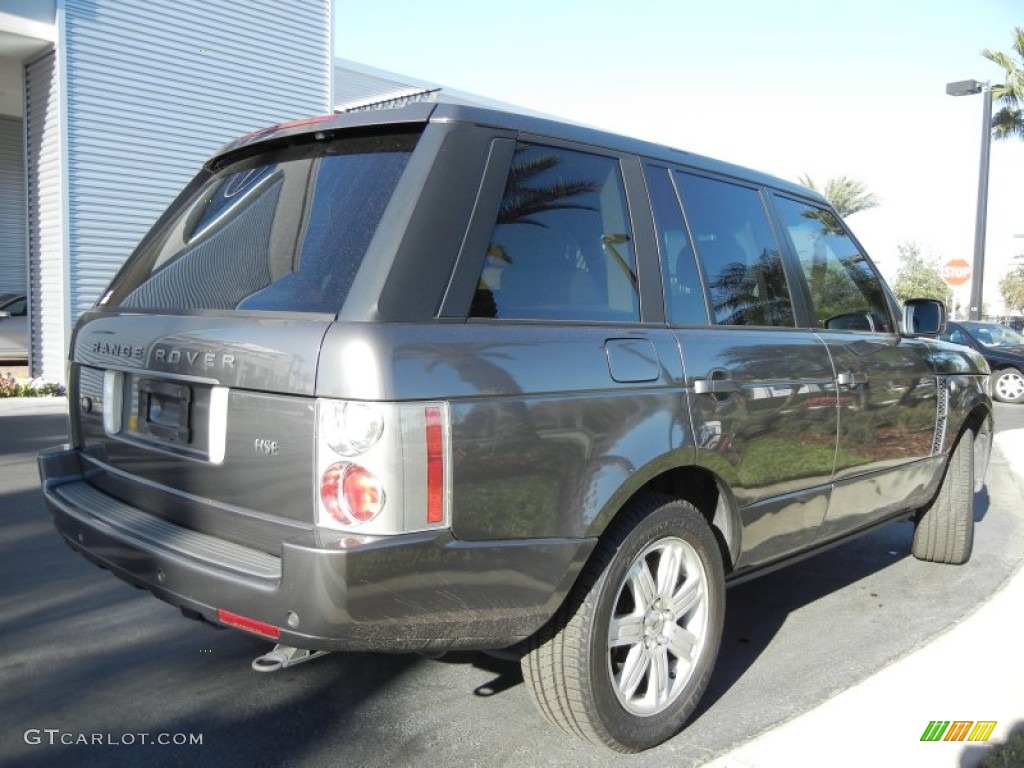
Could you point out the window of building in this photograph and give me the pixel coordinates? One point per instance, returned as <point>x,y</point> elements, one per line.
<point>562,247</point>
<point>846,292</point>
<point>741,260</point>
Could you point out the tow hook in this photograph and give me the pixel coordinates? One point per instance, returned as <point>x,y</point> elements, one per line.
<point>284,656</point>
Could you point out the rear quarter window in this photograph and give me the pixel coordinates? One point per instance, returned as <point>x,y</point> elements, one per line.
<point>562,245</point>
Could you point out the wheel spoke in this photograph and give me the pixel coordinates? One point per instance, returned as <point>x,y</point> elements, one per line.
<point>642,584</point>
<point>669,565</point>
<point>681,643</point>
<point>687,597</point>
<point>638,661</point>
<point>626,630</point>
<point>659,681</point>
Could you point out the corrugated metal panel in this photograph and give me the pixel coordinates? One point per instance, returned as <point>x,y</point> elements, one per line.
<point>352,86</point>
<point>358,87</point>
<point>47,297</point>
<point>13,271</point>
<point>154,87</point>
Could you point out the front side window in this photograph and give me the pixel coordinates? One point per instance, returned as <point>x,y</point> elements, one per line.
<point>286,231</point>
<point>846,292</point>
<point>562,246</point>
<point>741,260</point>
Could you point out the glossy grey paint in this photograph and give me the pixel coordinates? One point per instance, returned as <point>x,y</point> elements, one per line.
<point>773,436</point>
<point>543,435</point>
<point>364,598</point>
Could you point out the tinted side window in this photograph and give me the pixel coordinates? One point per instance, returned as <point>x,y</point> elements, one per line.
<point>684,297</point>
<point>562,245</point>
<point>846,292</point>
<point>738,252</point>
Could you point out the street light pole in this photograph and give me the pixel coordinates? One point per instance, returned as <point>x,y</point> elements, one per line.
<point>964,88</point>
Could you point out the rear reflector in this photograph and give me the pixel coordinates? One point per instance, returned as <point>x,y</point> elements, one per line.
<point>242,622</point>
<point>435,465</point>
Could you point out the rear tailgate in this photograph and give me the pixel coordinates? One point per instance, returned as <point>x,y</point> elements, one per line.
<point>186,418</point>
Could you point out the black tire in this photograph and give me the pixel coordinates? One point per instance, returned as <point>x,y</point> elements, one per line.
<point>608,694</point>
<point>944,532</point>
<point>1008,385</point>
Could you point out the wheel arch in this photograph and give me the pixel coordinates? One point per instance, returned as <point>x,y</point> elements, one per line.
<point>697,485</point>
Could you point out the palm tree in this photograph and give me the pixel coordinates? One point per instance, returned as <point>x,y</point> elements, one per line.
<point>847,196</point>
<point>1009,120</point>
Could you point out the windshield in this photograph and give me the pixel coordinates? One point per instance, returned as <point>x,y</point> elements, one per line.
<point>286,231</point>
<point>993,335</point>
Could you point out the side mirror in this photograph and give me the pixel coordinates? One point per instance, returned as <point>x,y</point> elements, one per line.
<point>924,317</point>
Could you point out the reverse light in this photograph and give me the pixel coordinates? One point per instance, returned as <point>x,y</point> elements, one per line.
<point>351,428</point>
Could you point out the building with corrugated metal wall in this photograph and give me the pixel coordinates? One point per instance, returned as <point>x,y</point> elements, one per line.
<point>117,103</point>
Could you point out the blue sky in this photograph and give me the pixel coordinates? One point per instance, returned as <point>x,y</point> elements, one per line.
<point>788,87</point>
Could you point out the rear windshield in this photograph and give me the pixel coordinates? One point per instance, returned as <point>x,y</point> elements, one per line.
<point>282,232</point>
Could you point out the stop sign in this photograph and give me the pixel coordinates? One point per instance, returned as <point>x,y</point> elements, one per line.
<point>956,272</point>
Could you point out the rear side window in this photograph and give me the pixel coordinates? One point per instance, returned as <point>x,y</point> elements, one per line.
<point>846,292</point>
<point>284,232</point>
<point>736,247</point>
<point>684,297</point>
<point>562,247</point>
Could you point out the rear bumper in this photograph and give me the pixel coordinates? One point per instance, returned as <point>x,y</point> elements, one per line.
<point>414,592</point>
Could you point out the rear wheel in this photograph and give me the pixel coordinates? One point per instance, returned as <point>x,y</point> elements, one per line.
<point>945,529</point>
<point>628,657</point>
<point>1008,385</point>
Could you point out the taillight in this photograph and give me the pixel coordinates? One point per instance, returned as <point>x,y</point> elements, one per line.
<point>351,493</point>
<point>382,468</point>
<point>435,465</point>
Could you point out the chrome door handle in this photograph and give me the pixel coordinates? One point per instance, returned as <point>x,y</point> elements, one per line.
<point>849,378</point>
<point>715,386</point>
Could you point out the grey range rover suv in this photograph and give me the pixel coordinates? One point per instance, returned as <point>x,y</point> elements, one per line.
<point>445,378</point>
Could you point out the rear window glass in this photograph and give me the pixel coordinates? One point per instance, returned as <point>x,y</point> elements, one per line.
<point>285,232</point>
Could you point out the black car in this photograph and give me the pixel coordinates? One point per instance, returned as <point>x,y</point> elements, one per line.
<point>1002,348</point>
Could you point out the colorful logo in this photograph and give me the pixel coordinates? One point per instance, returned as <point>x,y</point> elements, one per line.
<point>958,730</point>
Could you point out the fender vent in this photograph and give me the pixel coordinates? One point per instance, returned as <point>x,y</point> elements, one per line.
<point>941,414</point>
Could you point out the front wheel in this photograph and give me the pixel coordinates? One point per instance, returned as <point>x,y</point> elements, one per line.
<point>1008,385</point>
<point>944,531</point>
<point>628,657</point>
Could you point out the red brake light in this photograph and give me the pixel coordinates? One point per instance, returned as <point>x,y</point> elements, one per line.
<point>351,493</point>
<point>435,465</point>
<point>363,492</point>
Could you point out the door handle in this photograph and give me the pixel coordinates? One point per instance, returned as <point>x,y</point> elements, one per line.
<point>715,386</point>
<point>850,379</point>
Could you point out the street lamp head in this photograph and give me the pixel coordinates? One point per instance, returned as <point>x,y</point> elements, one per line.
<point>964,88</point>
